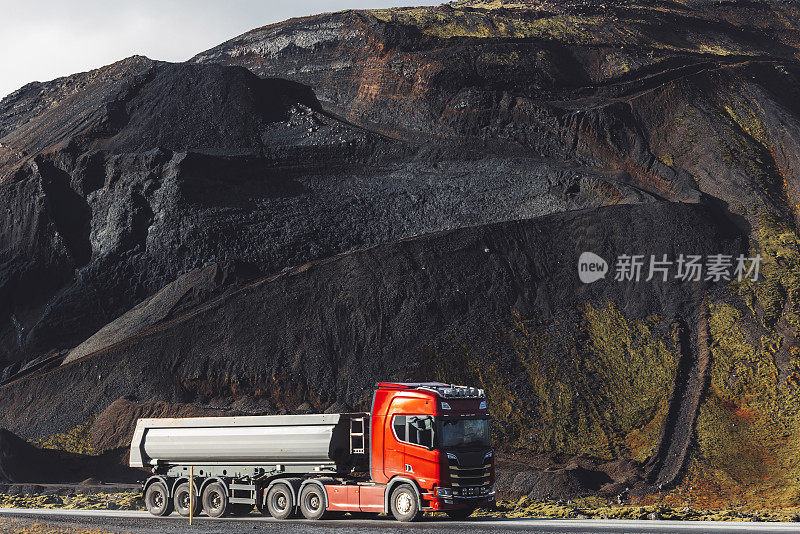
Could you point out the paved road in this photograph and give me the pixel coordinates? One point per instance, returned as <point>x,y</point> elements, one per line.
<point>142,522</point>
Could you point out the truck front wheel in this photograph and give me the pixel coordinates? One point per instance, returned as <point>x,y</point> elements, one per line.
<point>279,502</point>
<point>215,500</point>
<point>312,502</point>
<point>404,503</point>
<point>157,500</point>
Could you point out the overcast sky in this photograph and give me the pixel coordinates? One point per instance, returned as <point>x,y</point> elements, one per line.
<point>45,39</point>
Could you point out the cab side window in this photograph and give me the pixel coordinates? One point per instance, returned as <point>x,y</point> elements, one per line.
<point>415,429</point>
<point>400,427</point>
<point>420,430</point>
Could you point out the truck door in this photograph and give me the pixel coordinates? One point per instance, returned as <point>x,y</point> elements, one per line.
<point>393,447</point>
<point>420,459</point>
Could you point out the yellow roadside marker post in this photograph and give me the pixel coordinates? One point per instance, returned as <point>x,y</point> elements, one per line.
<point>191,495</point>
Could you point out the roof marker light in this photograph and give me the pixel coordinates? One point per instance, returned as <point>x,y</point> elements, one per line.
<point>453,391</point>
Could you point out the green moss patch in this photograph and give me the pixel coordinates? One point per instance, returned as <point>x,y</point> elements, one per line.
<point>594,509</point>
<point>77,440</point>
<point>81,501</point>
<point>469,23</point>
<point>748,428</point>
<point>778,292</point>
<point>596,384</point>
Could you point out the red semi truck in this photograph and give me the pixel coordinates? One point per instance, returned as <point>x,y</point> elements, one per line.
<point>423,447</point>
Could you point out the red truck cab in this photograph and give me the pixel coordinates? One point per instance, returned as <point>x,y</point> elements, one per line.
<point>436,437</point>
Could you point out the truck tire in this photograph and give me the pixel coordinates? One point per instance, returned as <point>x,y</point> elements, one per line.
<point>404,504</point>
<point>180,500</point>
<point>460,514</point>
<point>157,500</point>
<point>279,502</point>
<point>215,500</point>
<point>312,502</point>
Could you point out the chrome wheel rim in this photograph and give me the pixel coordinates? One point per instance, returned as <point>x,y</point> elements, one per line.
<point>215,500</point>
<point>403,503</point>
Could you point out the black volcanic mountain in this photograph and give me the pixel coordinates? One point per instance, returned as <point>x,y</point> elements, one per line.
<point>403,194</point>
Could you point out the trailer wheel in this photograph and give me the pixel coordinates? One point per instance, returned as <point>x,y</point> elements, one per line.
<point>312,502</point>
<point>157,500</point>
<point>215,500</point>
<point>279,502</point>
<point>181,501</point>
<point>404,504</point>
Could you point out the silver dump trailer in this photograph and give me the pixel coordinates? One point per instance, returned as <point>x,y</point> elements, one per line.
<point>224,465</point>
<point>303,441</point>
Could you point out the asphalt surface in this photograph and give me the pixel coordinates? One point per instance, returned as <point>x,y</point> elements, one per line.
<point>142,522</point>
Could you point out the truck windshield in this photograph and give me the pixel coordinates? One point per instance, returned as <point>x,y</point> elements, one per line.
<point>464,432</point>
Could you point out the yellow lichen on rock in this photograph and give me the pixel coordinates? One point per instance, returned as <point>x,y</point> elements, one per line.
<point>81,501</point>
<point>468,23</point>
<point>595,509</point>
<point>602,394</point>
<point>77,440</point>
<point>778,291</point>
<point>637,369</point>
<point>748,428</point>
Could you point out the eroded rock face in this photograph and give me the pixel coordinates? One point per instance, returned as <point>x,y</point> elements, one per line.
<point>412,310</point>
<point>565,483</point>
<point>21,462</point>
<point>172,167</point>
<point>597,84</point>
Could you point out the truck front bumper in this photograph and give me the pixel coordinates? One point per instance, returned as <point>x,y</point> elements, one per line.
<point>436,502</point>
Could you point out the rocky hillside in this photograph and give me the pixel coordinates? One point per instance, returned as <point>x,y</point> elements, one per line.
<point>404,194</point>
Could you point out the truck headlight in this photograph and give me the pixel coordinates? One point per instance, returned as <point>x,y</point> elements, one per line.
<point>444,492</point>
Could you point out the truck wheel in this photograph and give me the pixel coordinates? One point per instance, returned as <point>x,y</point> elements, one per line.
<point>181,501</point>
<point>279,502</point>
<point>215,500</point>
<point>460,514</point>
<point>157,500</point>
<point>404,504</point>
<point>312,502</point>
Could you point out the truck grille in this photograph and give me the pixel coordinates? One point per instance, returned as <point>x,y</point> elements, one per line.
<point>464,476</point>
